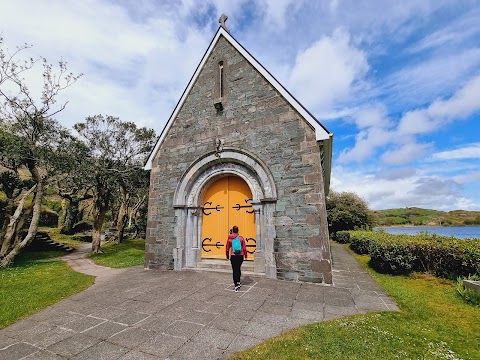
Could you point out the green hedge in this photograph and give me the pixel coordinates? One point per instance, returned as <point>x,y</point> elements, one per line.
<point>343,237</point>
<point>398,254</point>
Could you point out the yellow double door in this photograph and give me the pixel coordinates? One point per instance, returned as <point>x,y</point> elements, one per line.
<point>226,204</point>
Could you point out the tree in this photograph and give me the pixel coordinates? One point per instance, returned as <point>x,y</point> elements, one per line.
<point>347,211</point>
<point>118,150</point>
<point>72,184</point>
<point>11,182</point>
<point>31,139</point>
<point>133,192</point>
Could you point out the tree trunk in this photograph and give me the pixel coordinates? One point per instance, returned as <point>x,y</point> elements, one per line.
<point>12,225</point>
<point>100,207</point>
<point>137,231</point>
<point>122,214</point>
<point>130,218</point>
<point>114,217</point>
<point>98,219</point>
<point>23,219</point>
<point>63,217</point>
<point>122,222</point>
<point>71,217</point>
<point>32,230</point>
<point>8,213</point>
<point>133,212</point>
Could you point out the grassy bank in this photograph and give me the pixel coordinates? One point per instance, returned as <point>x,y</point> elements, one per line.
<point>115,255</point>
<point>55,235</point>
<point>435,323</point>
<point>34,282</point>
<point>416,216</point>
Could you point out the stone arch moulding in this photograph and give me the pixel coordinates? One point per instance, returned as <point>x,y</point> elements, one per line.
<point>187,205</point>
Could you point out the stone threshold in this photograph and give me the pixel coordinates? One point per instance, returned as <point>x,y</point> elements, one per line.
<point>223,265</point>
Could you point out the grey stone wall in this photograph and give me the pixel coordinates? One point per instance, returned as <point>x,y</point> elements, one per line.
<point>255,117</point>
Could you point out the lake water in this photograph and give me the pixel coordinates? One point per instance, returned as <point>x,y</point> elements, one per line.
<point>460,232</point>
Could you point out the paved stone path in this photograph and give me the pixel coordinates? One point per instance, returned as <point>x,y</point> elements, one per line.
<point>136,314</point>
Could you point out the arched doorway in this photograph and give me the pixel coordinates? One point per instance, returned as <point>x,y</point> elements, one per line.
<point>227,202</point>
<point>190,197</point>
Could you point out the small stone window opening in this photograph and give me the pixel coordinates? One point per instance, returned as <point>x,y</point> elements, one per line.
<point>220,68</point>
<point>220,90</point>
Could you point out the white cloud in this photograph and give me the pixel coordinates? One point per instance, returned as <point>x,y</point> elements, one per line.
<point>377,131</point>
<point>374,18</point>
<point>468,177</point>
<point>405,153</point>
<point>327,72</point>
<point>371,116</point>
<point>333,5</point>
<point>427,191</point>
<point>134,70</point>
<point>460,30</point>
<point>366,144</point>
<point>462,104</point>
<point>277,11</point>
<point>431,78</point>
<point>466,152</point>
<point>396,173</point>
<point>374,132</point>
<point>80,29</point>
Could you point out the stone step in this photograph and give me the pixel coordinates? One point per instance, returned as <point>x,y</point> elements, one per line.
<point>473,285</point>
<point>221,264</point>
<point>43,242</point>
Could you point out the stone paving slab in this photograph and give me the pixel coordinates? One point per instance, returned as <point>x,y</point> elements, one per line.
<point>133,314</point>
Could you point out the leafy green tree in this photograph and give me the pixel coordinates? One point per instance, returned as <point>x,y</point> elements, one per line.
<point>72,184</point>
<point>118,151</point>
<point>347,211</point>
<point>133,192</point>
<point>30,139</point>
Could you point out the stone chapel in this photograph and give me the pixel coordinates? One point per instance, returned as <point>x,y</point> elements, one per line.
<point>239,149</point>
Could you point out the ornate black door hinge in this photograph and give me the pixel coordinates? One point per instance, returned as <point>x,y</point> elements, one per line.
<point>254,245</point>
<point>238,206</point>
<point>218,245</point>
<point>218,207</point>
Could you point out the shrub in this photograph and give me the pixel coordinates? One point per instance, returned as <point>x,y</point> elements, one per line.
<point>82,237</point>
<point>82,226</point>
<point>392,258</point>
<point>342,237</point>
<point>359,242</point>
<point>48,218</point>
<point>447,257</point>
<point>347,211</point>
<point>54,205</point>
<point>439,255</point>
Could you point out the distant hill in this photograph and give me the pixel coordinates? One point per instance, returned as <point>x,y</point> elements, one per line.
<point>417,216</point>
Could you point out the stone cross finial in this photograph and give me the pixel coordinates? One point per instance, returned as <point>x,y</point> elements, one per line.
<point>222,20</point>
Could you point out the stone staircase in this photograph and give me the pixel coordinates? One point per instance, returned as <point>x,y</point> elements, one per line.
<point>43,242</point>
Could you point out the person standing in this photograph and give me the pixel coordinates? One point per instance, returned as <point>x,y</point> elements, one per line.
<point>236,251</point>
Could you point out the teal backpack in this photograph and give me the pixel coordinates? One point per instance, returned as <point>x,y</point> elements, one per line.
<point>236,245</point>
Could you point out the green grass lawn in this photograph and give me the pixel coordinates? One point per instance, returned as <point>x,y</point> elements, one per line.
<point>55,235</point>
<point>34,282</point>
<point>435,323</point>
<point>115,255</point>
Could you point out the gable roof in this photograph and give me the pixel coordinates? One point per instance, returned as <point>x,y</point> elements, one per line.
<point>320,131</point>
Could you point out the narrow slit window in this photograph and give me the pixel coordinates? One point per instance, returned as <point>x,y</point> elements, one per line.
<point>220,69</point>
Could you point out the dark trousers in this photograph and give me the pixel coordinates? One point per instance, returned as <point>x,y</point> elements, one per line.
<point>236,261</point>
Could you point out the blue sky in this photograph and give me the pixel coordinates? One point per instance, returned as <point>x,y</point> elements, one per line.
<point>397,82</point>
